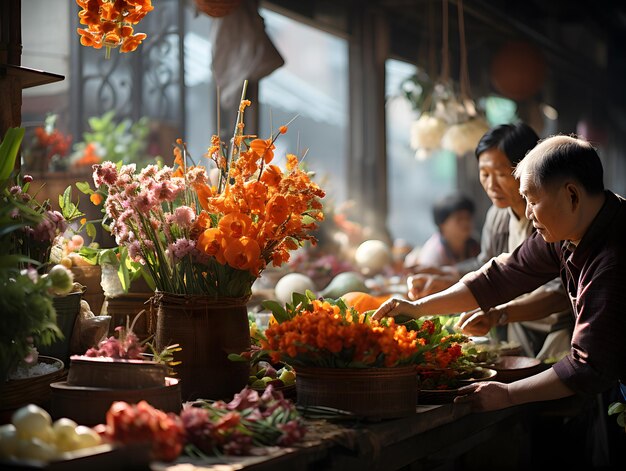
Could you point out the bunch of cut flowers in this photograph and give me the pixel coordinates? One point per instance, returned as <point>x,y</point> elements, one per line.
<point>194,235</point>
<point>243,426</point>
<point>327,333</point>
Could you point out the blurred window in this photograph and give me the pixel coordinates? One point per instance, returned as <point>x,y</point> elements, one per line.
<point>314,87</point>
<point>413,184</point>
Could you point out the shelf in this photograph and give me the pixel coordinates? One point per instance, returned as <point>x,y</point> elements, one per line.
<point>29,77</point>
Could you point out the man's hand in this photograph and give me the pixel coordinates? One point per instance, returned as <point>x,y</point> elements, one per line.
<point>475,322</point>
<point>484,396</point>
<point>395,306</point>
<point>422,285</point>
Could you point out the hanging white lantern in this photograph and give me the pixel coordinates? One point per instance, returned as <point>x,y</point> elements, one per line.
<point>426,134</point>
<point>463,137</point>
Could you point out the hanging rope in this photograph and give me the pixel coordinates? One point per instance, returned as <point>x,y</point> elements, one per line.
<point>445,60</point>
<point>464,80</point>
<point>432,55</point>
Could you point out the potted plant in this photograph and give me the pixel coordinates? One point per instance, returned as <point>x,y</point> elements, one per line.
<point>117,369</point>
<point>26,296</point>
<point>346,360</point>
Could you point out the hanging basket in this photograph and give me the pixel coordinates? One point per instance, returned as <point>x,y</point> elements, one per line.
<point>370,393</point>
<point>217,8</point>
<point>207,330</point>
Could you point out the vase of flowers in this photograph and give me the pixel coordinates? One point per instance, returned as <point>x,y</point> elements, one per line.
<point>345,360</point>
<point>204,235</point>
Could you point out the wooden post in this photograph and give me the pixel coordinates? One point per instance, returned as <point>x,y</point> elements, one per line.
<point>10,54</point>
<point>367,159</point>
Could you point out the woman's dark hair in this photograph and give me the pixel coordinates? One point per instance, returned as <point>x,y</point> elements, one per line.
<point>443,208</point>
<point>514,140</point>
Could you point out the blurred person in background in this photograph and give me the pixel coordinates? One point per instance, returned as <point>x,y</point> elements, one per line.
<point>453,242</point>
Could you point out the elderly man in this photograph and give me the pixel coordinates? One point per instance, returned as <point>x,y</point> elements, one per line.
<point>579,236</point>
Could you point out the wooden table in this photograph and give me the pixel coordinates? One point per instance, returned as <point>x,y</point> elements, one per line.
<point>436,437</point>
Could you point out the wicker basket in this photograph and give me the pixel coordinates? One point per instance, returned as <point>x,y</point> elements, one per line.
<point>369,393</point>
<point>217,8</point>
<point>16,393</point>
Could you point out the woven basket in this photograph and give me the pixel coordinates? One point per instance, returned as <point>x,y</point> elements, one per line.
<point>370,393</point>
<point>217,8</point>
<point>208,330</point>
<point>16,393</point>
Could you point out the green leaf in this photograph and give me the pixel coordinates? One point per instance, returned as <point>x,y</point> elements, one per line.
<point>616,408</point>
<point>299,298</point>
<point>91,230</point>
<point>236,357</point>
<point>84,187</point>
<point>9,150</point>
<point>277,310</point>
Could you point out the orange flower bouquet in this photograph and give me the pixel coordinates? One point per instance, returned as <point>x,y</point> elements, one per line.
<point>197,236</point>
<point>327,333</point>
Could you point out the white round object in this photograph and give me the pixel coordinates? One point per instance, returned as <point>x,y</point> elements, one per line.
<point>373,255</point>
<point>35,449</point>
<point>87,437</point>
<point>31,420</point>
<point>292,283</point>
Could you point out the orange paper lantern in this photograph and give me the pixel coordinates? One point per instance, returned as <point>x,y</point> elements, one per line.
<point>518,70</point>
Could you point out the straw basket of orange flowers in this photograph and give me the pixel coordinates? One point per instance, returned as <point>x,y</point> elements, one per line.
<point>346,360</point>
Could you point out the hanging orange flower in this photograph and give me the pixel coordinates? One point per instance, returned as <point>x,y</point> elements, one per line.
<point>109,23</point>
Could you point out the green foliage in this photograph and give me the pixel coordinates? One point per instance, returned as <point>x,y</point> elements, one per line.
<point>124,141</point>
<point>127,270</point>
<point>417,89</point>
<point>26,309</point>
<point>8,151</point>
<point>619,409</point>
<point>298,303</point>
